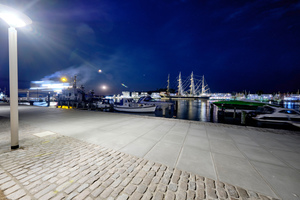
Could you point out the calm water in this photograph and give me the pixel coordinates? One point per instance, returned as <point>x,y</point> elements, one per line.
<point>199,110</point>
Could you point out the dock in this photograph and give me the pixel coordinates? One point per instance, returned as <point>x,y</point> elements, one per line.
<point>88,155</point>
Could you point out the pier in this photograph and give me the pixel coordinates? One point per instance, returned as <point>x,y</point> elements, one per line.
<point>92,154</point>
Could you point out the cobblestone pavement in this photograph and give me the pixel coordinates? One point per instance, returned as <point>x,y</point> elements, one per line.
<point>59,167</point>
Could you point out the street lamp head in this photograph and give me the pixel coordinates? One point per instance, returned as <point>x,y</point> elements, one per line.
<point>13,17</point>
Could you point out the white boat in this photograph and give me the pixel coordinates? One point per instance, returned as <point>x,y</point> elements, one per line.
<point>129,105</point>
<point>148,100</point>
<point>271,114</point>
<point>105,103</point>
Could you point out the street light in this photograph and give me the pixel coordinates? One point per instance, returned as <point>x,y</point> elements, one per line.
<point>64,79</point>
<point>14,19</point>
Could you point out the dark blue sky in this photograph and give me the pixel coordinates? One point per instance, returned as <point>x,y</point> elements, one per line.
<point>238,45</point>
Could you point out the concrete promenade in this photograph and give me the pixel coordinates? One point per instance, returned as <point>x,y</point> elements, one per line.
<point>76,154</point>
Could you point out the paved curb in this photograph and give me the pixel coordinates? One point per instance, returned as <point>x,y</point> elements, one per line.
<point>59,167</point>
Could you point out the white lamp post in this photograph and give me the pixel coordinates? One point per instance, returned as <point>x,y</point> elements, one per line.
<point>14,19</point>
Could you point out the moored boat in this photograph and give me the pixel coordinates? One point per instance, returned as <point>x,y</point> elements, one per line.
<point>271,114</point>
<point>239,104</point>
<point>148,100</point>
<point>129,105</point>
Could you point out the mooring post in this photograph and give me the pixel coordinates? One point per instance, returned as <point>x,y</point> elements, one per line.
<point>48,100</point>
<point>243,118</point>
<point>234,112</point>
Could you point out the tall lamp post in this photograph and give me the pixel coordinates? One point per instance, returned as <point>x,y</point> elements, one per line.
<point>14,19</point>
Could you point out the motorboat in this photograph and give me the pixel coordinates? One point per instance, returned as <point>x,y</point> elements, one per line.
<point>105,103</point>
<point>129,105</point>
<point>272,114</point>
<point>148,100</point>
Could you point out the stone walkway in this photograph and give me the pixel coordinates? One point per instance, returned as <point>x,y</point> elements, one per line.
<point>52,166</point>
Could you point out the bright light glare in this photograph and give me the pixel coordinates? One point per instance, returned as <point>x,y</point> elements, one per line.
<point>12,20</point>
<point>49,86</point>
<point>99,70</point>
<point>64,79</point>
<point>104,87</point>
<point>13,17</point>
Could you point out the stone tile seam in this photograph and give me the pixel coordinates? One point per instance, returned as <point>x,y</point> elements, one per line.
<point>181,149</point>
<point>249,161</point>
<point>159,140</point>
<point>211,155</point>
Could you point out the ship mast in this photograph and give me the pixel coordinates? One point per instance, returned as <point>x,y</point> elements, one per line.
<point>168,87</point>
<point>179,85</point>
<point>192,86</point>
<point>204,87</point>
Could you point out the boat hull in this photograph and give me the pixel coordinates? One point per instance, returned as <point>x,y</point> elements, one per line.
<point>144,109</point>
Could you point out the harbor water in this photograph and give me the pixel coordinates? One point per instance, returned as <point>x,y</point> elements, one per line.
<point>199,110</point>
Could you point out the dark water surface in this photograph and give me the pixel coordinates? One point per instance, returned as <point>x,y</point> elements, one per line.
<point>199,110</point>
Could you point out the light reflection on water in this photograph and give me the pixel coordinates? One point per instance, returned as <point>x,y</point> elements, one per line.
<point>292,105</point>
<point>197,110</point>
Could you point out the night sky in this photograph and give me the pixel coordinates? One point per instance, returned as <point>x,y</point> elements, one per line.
<point>237,45</point>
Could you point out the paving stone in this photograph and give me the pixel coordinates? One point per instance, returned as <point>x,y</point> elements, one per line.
<point>136,196</point>
<point>200,193</point>
<point>183,185</point>
<point>161,187</point>
<point>142,188</point>
<point>152,187</point>
<point>82,195</point>
<point>130,189</point>
<point>136,180</point>
<point>170,195</point>
<point>116,192</point>
<point>25,198</point>
<point>11,190</point>
<point>148,195</point>
<point>172,187</point>
<point>82,187</point>
<point>221,193</point>
<point>210,183</point>
<point>192,185</point>
<point>181,194</point>
<point>17,194</point>
<point>45,190</point>
<point>98,191</point>
<point>123,197</point>
<point>211,193</point>
<point>191,194</point>
<point>4,180</point>
<point>59,197</point>
<point>47,196</point>
<point>219,184</point>
<point>7,185</point>
<point>165,180</point>
<point>232,191</point>
<point>158,196</point>
<point>264,197</point>
<point>175,179</point>
<point>242,193</point>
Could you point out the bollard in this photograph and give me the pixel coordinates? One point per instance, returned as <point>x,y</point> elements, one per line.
<point>48,100</point>
<point>243,118</point>
<point>234,112</point>
<point>163,111</point>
